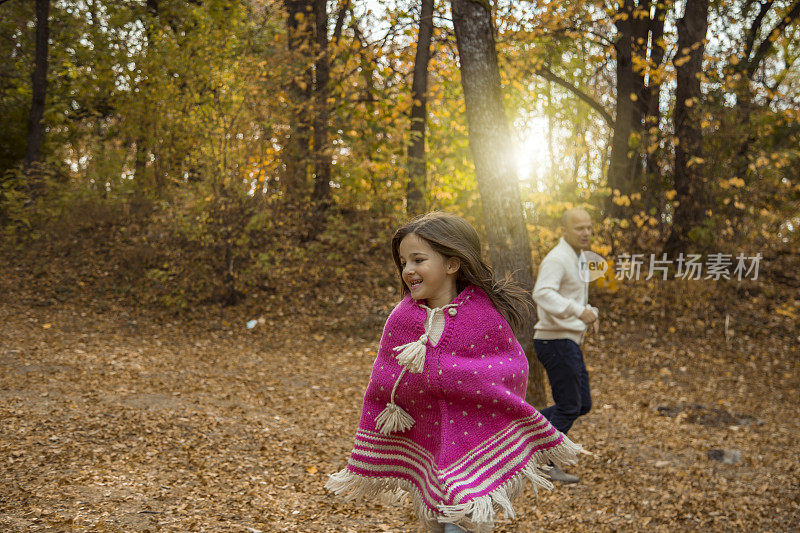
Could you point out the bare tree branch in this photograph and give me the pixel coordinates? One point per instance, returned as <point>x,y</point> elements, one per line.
<point>337,29</point>
<point>780,78</point>
<point>752,32</point>
<point>547,74</point>
<point>767,44</point>
<point>746,7</point>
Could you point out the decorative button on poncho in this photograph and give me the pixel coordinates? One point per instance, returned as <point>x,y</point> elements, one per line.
<point>447,423</point>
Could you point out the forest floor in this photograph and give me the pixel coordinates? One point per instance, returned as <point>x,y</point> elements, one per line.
<point>115,418</point>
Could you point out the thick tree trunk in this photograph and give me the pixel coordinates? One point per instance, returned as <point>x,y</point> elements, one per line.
<point>689,169</point>
<point>417,163</point>
<point>296,152</point>
<point>490,143</point>
<point>621,166</point>
<point>632,168</point>
<point>33,152</point>
<point>322,157</point>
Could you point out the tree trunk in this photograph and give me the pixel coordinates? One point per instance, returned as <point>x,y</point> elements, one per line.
<point>551,155</point>
<point>749,63</point>
<point>490,143</point>
<point>33,152</point>
<point>657,52</point>
<point>321,195</point>
<point>417,171</point>
<point>639,47</point>
<point>140,162</point>
<point>296,152</point>
<point>632,168</point>
<point>652,114</point>
<point>322,157</point>
<point>620,168</point>
<point>689,175</point>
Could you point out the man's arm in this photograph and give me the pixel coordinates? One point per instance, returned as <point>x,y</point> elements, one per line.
<point>545,291</point>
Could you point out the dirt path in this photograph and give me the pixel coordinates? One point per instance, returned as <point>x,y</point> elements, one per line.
<point>115,422</point>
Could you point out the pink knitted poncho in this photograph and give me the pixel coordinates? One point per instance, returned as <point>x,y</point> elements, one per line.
<point>448,424</point>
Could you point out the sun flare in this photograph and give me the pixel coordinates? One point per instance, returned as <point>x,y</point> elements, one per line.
<point>533,162</point>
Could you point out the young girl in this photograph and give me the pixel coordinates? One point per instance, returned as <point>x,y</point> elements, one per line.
<point>444,417</point>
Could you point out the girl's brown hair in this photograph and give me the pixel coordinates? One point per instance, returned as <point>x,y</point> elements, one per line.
<point>452,236</point>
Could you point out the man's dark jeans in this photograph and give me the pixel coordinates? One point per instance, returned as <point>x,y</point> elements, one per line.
<point>562,359</point>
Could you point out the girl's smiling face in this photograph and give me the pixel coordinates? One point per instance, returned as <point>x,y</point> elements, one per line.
<point>428,274</point>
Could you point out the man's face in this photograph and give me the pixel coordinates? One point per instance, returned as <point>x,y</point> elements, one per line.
<point>578,230</point>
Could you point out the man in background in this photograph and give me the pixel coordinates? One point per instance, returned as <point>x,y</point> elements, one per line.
<point>561,294</point>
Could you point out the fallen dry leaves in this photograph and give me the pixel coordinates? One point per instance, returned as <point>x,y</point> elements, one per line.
<point>120,420</point>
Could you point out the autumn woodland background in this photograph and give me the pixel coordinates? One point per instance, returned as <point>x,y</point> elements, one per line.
<point>170,171</point>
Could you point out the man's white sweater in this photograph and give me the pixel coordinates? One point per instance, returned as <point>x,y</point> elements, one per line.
<point>561,296</point>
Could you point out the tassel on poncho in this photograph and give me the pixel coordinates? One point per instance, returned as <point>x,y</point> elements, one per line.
<point>412,355</point>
